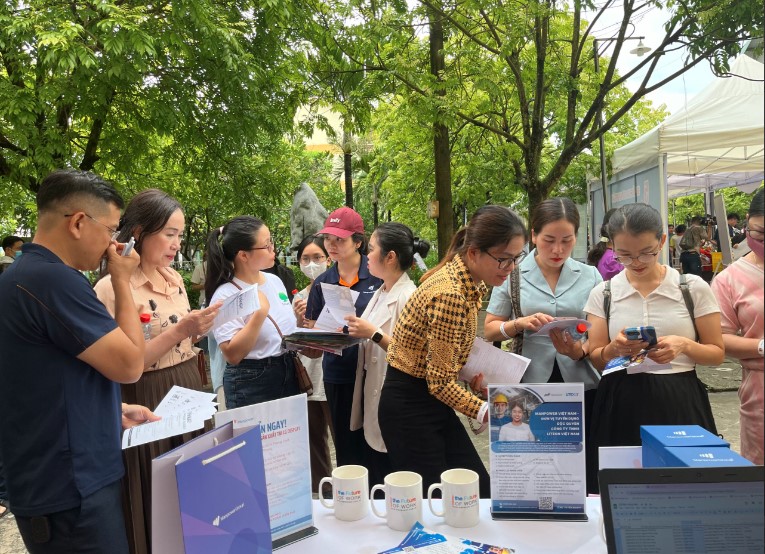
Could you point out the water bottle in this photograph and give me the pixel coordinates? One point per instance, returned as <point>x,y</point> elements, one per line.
<point>577,332</point>
<point>146,325</point>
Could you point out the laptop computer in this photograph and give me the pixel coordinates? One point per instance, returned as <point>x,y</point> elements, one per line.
<point>683,510</point>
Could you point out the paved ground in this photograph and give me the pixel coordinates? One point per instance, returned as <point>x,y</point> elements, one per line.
<point>722,382</point>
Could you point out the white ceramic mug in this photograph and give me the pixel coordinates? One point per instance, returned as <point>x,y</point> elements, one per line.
<point>350,490</point>
<point>459,491</point>
<point>403,499</point>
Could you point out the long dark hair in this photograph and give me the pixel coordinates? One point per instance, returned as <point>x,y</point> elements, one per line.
<point>552,210</point>
<point>147,212</point>
<point>310,239</point>
<point>490,226</point>
<point>757,206</point>
<point>223,244</point>
<point>636,219</point>
<point>597,251</point>
<point>398,238</point>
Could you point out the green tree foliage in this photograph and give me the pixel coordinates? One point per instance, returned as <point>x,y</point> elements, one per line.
<point>523,73</point>
<point>143,92</point>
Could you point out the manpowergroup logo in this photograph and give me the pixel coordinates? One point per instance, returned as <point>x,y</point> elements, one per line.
<point>348,496</point>
<point>403,504</point>
<point>464,501</point>
<point>218,519</point>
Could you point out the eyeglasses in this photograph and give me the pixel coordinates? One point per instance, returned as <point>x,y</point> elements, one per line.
<point>318,258</point>
<point>642,258</point>
<point>504,263</point>
<point>269,246</point>
<point>756,235</point>
<point>113,232</point>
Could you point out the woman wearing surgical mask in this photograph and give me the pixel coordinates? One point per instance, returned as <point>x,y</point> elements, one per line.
<point>739,291</point>
<point>313,262</point>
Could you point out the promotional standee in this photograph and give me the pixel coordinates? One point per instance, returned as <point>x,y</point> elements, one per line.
<point>537,462</point>
<point>284,432</point>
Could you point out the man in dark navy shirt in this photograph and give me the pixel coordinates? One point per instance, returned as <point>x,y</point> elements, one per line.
<point>64,357</point>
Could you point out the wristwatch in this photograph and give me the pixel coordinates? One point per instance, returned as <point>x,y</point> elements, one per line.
<point>761,347</point>
<point>378,336</point>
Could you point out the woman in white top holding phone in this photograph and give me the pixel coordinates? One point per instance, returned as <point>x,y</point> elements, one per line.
<point>648,293</point>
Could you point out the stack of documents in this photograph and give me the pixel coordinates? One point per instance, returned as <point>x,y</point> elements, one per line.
<point>328,341</point>
<point>182,410</point>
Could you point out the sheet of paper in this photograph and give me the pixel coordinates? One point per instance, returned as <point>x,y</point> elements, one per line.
<point>338,302</point>
<point>180,399</point>
<point>639,363</point>
<point>170,425</point>
<point>496,365</point>
<point>182,410</point>
<point>561,323</point>
<point>241,304</point>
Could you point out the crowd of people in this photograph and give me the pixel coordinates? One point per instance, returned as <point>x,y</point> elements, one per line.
<point>79,354</point>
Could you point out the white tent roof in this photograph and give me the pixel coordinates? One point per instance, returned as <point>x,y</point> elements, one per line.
<point>718,135</point>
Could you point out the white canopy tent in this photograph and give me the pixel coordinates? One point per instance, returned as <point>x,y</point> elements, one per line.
<point>714,142</point>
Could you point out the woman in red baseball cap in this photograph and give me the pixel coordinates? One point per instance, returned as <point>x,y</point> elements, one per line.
<point>346,244</point>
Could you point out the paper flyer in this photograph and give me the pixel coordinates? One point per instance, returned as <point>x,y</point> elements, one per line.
<point>536,453</point>
<point>424,540</point>
<point>639,363</point>
<point>284,432</point>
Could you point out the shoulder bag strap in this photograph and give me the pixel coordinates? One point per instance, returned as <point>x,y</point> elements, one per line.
<point>686,290</point>
<point>607,305</point>
<point>268,316</point>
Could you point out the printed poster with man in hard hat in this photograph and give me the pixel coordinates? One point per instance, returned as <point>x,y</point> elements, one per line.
<point>536,454</point>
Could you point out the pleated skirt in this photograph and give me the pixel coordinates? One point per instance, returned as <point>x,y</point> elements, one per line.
<point>150,389</point>
<point>624,402</point>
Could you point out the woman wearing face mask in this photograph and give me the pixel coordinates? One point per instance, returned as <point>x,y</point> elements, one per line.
<point>313,262</point>
<point>344,240</point>
<point>739,290</point>
<point>649,293</point>
<point>391,253</point>
<point>156,221</point>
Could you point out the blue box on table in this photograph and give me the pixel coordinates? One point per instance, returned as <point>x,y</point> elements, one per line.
<point>703,456</point>
<point>657,439</point>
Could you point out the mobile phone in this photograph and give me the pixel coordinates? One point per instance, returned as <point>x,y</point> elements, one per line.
<point>647,334</point>
<point>128,247</point>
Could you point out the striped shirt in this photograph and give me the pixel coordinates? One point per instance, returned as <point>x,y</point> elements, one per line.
<point>433,337</point>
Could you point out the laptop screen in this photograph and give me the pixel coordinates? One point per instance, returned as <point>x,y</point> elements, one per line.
<point>675,518</point>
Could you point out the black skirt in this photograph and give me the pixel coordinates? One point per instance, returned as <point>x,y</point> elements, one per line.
<point>624,402</point>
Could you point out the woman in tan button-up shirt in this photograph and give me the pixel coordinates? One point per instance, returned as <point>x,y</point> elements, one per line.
<point>156,221</point>
<point>431,342</point>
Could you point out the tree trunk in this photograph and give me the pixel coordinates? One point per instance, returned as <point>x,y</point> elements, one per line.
<point>441,151</point>
<point>347,168</point>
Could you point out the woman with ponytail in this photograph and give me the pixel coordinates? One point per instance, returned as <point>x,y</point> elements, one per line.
<point>430,344</point>
<point>602,254</point>
<point>391,253</point>
<point>258,369</point>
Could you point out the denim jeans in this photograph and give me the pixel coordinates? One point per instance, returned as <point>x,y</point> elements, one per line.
<point>255,381</point>
<point>691,262</point>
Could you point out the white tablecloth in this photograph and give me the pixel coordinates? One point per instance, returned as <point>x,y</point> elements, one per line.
<point>371,535</point>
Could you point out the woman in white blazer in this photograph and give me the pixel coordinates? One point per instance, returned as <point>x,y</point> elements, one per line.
<point>391,253</point>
